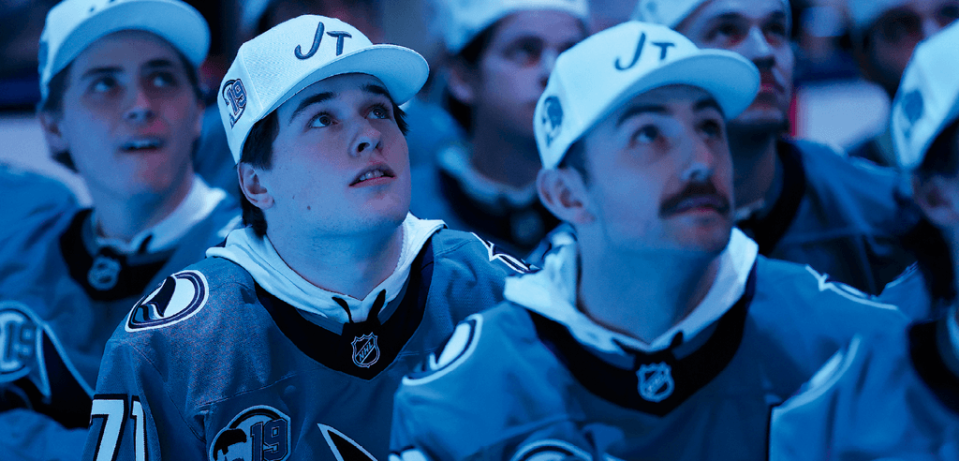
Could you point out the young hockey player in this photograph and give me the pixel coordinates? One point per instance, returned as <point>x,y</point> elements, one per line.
<point>121,100</point>
<point>290,340</point>
<point>659,333</point>
<point>896,396</point>
<point>799,200</point>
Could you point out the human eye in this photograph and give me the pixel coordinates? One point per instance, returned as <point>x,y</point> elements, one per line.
<point>646,134</point>
<point>727,31</point>
<point>948,14</point>
<point>103,84</point>
<point>380,111</point>
<point>712,128</point>
<point>776,29</point>
<point>321,120</point>
<point>525,51</point>
<point>163,80</point>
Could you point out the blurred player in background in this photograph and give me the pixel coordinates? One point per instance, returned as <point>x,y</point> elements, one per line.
<point>291,339</point>
<point>121,101</point>
<point>659,333</point>
<point>501,54</point>
<point>884,33</point>
<point>800,201</point>
<point>896,396</point>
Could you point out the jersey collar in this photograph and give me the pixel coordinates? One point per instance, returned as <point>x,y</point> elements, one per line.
<point>551,293</point>
<point>195,207</point>
<point>260,259</point>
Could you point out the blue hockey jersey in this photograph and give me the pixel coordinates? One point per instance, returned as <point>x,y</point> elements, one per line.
<point>533,378</point>
<point>842,217</point>
<point>215,366</point>
<point>895,396</point>
<point>62,295</point>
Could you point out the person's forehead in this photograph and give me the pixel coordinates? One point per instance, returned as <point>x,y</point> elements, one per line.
<point>336,85</point>
<point>753,9</point>
<point>668,97</point>
<point>127,47</point>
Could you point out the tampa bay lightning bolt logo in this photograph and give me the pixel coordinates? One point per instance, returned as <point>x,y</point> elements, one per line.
<point>259,433</point>
<point>655,382</point>
<point>234,95</point>
<point>104,273</point>
<point>365,351</point>
<point>551,450</point>
<point>178,298</point>
<point>552,118</point>
<point>912,108</point>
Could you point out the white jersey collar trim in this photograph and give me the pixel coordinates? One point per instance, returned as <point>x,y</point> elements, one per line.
<point>551,292</point>
<point>455,160</point>
<point>195,207</point>
<point>261,260</point>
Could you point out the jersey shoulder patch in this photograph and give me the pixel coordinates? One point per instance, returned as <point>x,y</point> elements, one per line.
<point>179,297</point>
<point>256,433</point>
<point>457,350</point>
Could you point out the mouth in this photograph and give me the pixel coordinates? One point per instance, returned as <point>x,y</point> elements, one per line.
<point>769,84</point>
<point>702,203</point>
<point>373,174</point>
<point>142,145</point>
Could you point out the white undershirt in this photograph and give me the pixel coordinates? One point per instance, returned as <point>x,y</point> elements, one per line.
<point>195,207</point>
<point>551,292</point>
<point>260,259</point>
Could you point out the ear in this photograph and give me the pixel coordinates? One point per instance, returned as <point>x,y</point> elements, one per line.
<point>460,83</point>
<point>50,124</point>
<point>937,198</point>
<point>252,186</point>
<point>564,194</point>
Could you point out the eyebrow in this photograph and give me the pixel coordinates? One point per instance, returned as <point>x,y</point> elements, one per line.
<point>640,109</point>
<point>733,16</point>
<point>708,103</point>
<point>315,99</point>
<point>101,70</point>
<point>161,62</point>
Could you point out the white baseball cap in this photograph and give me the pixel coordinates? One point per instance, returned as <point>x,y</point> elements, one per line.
<point>462,20</point>
<point>274,66</point>
<point>864,12</point>
<point>73,25</point>
<point>672,12</point>
<point>928,97</point>
<point>596,76</point>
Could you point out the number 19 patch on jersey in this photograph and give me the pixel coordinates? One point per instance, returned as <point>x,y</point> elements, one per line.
<point>259,433</point>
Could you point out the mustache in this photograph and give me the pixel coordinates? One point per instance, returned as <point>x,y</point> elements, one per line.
<point>695,194</point>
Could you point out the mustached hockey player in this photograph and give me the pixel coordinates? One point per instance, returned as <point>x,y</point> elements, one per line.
<point>290,341</point>
<point>121,101</point>
<point>658,333</point>
<point>897,396</point>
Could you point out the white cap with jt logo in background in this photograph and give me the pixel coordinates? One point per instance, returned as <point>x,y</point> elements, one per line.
<point>597,75</point>
<point>462,20</point>
<point>671,13</point>
<point>274,66</point>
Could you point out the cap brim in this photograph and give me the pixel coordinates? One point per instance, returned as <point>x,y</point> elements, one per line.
<point>402,70</point>
<point>732,82</point>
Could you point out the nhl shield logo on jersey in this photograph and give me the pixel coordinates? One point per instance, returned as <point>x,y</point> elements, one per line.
<point>259,433</point>
<point>234,95</point>
<point>655,382</point>
<point>178,298</point>
<point>365,351</point>
<point>104,273</point>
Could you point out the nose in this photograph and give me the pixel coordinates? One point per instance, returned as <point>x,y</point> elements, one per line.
<point>702,161</point>
<point>366,139</point>
<point>755,48</point>
<point>930,27</point>
<point>140,109</point>
<point>547,62</point>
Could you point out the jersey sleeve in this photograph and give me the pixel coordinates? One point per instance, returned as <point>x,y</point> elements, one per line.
<point>133,417</point>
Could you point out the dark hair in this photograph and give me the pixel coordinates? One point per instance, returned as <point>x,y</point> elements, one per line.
<point>258,152</point>
<point>53,104</point>
<point>575,158</point>
<point>927,241</point>
<point>467,60</point>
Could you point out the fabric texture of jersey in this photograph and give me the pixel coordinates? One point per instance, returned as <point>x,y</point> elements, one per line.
<point>844,217</point>
<point>228,370</point>
<point>895,396</point>
<point>449,188</point>
<point>513,383</point>
<point>61,298</point>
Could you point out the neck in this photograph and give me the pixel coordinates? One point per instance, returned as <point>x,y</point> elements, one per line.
<point>672,286</point>
<point>124,217</point>
<point>509,160</point>
<point>756,165</point>
<point>352,265</point>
